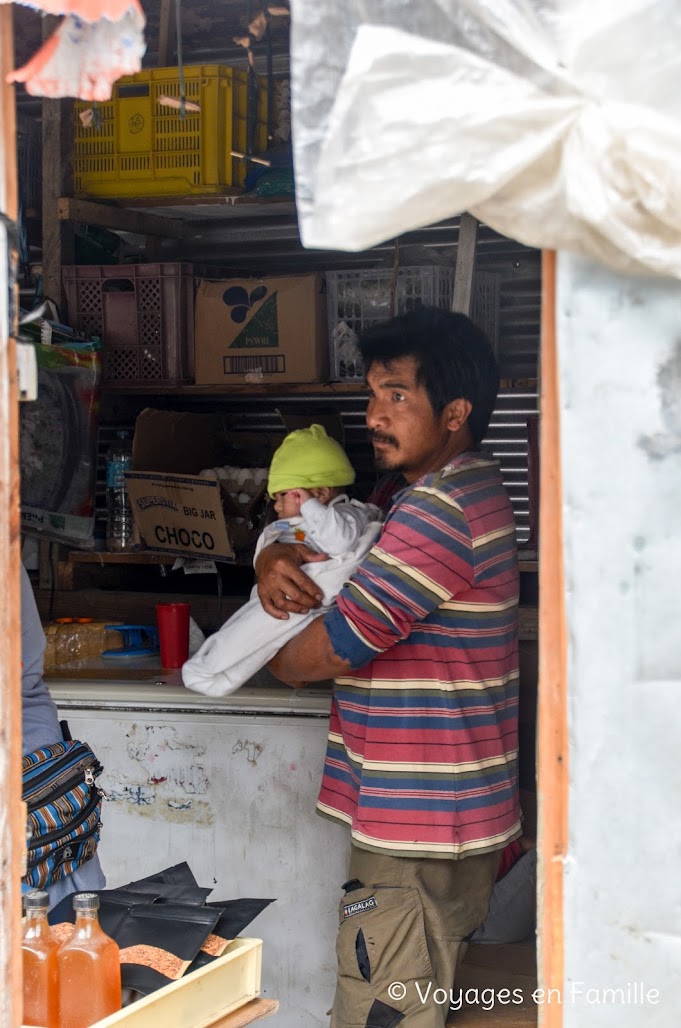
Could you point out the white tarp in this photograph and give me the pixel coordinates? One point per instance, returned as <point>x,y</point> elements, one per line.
<point>556,122</point>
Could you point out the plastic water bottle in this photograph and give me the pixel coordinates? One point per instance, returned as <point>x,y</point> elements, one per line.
<point>119,525</point>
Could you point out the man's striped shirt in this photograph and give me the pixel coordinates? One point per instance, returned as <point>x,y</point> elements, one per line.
<point>422,749</point>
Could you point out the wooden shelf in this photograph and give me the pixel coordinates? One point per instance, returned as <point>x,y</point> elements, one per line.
<point>271,389</point>
<point>528,565</point>
<point>229,199</point>
<point>103,557</point>
<point>280,389</point>
<point>528,560</point>
<point>170,217</point>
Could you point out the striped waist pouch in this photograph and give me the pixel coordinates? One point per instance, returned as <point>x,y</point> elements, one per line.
<point>64,807</point>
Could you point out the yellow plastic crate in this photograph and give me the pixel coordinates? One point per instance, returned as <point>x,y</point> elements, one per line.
<point>142,148</point>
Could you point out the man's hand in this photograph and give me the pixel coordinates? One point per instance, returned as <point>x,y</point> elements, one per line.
<point>282,586</point>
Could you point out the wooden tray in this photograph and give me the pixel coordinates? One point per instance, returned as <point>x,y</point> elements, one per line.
<point>201,998</point>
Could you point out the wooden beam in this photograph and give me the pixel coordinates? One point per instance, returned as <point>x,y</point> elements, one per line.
<point>166,33</point>
<point>120,219</point>
<point>356,388</point>
<point>13,816</point>
<point>465,264</point>
<point>58,239</point>
<point>552,741</point>
<point>167,37</point>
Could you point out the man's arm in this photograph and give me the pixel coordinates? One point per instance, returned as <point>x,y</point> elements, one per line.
<point>422,559</point>
<point>308,657</point>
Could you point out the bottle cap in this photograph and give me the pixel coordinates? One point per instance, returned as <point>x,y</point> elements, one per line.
<point>84,621</point>
<point>86,901</point>
<point>63,621</point>
<point>36,900</point>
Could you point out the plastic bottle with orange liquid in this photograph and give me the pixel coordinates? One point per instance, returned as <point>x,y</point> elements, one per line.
<point>39,950</point>
<point>89,969</point>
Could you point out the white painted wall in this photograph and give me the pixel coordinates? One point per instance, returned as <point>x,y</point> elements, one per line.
<point>619,344</point>
<point>235,797</point>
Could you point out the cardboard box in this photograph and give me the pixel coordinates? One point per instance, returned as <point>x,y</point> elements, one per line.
<point>180,514</point>
<point>176,511</point>
<point>269,330</point>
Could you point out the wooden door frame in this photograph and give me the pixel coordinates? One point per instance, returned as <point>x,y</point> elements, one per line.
<point>12,818</point>
<point>552,716</point>
<point>552,737</point>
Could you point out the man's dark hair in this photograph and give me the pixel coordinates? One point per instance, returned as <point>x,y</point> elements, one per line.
<point>455,359</point>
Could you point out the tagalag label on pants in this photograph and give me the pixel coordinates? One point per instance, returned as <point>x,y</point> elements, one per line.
<point>360,906</point>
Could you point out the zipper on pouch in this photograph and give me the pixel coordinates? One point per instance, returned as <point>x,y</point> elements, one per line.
<point>72,775</point>
<point>38,841</point>
<point>78,841</point>
<point>65,759</point>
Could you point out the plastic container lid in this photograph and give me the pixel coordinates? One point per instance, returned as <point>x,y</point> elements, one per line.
<point>86,901</point>
<point>36,900</point>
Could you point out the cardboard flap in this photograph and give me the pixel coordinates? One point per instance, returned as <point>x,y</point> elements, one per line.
<point>178,443</point>
<point>251,449</point>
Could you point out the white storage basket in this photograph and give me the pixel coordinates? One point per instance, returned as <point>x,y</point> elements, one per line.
<point>356,300</point>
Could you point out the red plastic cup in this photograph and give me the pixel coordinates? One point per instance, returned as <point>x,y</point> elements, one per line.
<point>173,633</point>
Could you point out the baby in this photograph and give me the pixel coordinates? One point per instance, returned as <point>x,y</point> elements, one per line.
<point>306,480</point>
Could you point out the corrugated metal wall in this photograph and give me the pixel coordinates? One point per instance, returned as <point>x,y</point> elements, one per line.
<point>507,436</point>
<point>268,244</point>
<point>257,240</point>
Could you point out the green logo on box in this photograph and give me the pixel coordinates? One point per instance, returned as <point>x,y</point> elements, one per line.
<point>261,329</point>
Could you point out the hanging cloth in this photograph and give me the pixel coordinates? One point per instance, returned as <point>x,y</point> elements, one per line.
<point>96,43</point>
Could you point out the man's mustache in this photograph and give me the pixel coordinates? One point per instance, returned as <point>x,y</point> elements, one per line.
<point>380,437</point>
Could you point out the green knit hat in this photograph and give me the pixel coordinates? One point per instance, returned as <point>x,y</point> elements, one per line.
<point>309,458</point>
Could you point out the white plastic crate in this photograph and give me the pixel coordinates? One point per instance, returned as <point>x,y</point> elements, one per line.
<point>356,300</point>
<point>485,302</point>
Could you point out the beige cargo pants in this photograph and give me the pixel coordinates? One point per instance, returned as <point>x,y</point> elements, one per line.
<point>400,936</point>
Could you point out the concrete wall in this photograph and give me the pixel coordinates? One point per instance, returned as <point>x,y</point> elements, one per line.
<point>619,342</point>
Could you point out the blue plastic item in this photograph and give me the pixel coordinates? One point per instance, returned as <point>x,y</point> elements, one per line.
<point>134,642</point>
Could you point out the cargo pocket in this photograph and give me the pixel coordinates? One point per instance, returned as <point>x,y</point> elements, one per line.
<point>381,939</point>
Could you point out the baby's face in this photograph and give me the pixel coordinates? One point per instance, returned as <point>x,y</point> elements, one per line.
<point>287,503</point>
